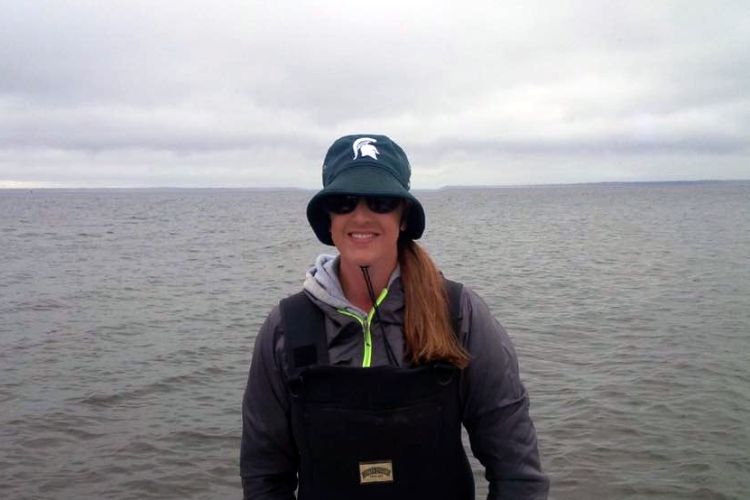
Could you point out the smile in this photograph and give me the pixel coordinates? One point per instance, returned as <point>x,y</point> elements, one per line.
<point>362,236</point>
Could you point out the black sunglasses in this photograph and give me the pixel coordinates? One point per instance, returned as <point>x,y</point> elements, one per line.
<point>346,203</point>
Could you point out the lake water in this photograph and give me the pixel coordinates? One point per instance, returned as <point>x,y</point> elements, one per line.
<point>127,321</point>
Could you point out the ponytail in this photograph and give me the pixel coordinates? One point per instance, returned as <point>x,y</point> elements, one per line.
<point>428,329</point>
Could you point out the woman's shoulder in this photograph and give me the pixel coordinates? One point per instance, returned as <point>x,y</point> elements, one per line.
<point>470,302</point>
<point>479,323</point>
<point>290,312</point>
<point>286,307</point>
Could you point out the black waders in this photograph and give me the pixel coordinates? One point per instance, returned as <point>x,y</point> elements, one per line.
<point>372,433</point>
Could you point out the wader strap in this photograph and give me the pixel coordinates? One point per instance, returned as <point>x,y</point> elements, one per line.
<point>454,289</point>
<point>305,341</point>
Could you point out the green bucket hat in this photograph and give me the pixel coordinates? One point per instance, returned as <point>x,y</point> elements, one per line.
<point>365,165</point>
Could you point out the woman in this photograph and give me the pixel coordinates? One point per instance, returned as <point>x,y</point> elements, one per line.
<point>359,385</point>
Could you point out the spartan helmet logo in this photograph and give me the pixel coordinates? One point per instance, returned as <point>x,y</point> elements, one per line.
<point>363,146</point>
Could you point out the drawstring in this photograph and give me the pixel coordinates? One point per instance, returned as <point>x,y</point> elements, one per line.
<point>389,352</point>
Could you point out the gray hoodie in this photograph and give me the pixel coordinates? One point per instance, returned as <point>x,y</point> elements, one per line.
<point>494,401</point>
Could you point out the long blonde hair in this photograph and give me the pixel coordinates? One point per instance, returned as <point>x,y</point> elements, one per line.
<point>428,330</point>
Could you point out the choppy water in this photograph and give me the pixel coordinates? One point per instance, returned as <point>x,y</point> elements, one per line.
<point>127,320</point>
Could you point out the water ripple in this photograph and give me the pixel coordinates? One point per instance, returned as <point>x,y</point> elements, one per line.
<point>128,320</point>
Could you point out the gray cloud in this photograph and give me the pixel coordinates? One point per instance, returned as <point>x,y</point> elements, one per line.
<point>249,93</point>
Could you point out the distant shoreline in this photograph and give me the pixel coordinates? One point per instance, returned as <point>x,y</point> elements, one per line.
<point>602,183</point>
<point>442,188</point>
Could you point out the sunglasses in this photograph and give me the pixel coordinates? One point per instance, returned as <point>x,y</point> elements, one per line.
<point>346,203</point>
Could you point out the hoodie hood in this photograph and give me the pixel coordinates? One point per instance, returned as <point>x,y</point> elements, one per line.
<point>322,283</point>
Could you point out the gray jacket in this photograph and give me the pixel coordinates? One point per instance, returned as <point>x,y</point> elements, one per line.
<point>495,403</point>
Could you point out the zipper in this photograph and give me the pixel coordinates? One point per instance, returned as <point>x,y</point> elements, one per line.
<point>366,323</point>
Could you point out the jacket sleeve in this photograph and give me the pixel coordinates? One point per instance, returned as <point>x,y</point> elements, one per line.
<point>496,408</point>
<point>268,454</point>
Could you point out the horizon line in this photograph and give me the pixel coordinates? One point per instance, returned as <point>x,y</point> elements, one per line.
<point>441,188</point>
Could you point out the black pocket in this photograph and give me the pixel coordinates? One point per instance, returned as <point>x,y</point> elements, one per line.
<point>408,438</point>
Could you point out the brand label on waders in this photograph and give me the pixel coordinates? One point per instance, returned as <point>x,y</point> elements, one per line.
<point>376,472</point>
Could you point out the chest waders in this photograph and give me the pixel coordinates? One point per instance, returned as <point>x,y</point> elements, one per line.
<point>372,433</point>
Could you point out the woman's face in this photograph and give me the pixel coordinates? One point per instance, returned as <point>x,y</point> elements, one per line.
<point>367,238</point>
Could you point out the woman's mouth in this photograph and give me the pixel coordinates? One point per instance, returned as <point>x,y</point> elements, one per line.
<point>362,236</point>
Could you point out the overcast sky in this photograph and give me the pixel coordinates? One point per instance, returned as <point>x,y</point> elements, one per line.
<point>251,94</point>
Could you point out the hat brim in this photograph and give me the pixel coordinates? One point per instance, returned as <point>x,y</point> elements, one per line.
<point>364,180</point>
